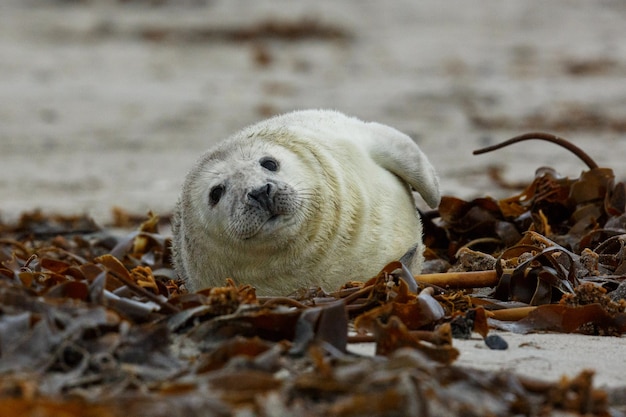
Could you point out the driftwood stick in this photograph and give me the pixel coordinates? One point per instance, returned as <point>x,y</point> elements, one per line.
<point>473,279</point>
<point>511,314</point>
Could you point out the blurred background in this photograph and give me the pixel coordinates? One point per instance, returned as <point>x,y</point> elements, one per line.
<point>109,102</point>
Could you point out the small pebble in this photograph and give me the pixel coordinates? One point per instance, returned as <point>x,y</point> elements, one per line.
<point>496,342</point>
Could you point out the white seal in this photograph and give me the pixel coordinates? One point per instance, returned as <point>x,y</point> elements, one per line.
<point>303,199</point>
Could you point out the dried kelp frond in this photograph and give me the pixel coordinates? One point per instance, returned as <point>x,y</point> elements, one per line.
<point>564,319</point>
<point>571,212</point>
<point>288,31</point>
<point>590,294</point>
<point>541,279</point>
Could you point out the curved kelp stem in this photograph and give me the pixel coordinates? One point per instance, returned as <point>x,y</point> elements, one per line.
<point>547,137</point>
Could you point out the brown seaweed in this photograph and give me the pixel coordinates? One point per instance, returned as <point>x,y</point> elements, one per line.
<point>98,324</point>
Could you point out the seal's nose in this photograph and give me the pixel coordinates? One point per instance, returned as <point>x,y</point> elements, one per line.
<point>263,197</point>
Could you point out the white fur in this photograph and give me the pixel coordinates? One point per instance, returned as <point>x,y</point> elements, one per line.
<point>345,202</point>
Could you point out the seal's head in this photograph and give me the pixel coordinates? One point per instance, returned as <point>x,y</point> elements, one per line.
<point>307,198</point>
<point>248,192</point>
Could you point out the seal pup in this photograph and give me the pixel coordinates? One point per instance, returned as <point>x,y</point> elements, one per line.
<point>302,199</point>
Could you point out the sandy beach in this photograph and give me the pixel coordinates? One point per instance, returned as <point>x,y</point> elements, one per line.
<point>106,103</point>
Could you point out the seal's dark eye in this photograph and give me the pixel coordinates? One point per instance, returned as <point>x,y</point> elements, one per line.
<point>215,194</point>
<point>270,164</point>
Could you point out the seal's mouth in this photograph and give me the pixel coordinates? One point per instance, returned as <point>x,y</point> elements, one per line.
<point>272,224</point>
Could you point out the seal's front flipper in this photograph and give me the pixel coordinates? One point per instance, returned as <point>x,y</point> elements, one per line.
<point>405,273</point>
<point>407,258</point>
<point>399,154</point>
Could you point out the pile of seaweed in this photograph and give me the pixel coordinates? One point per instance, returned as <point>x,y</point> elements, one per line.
<point>95,322</point>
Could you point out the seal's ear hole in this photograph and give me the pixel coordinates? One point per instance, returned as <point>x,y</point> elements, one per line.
<point>269,163</point>
<point>215,194</point>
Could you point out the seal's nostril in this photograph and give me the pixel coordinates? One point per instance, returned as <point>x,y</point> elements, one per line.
<point>262,196</point>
